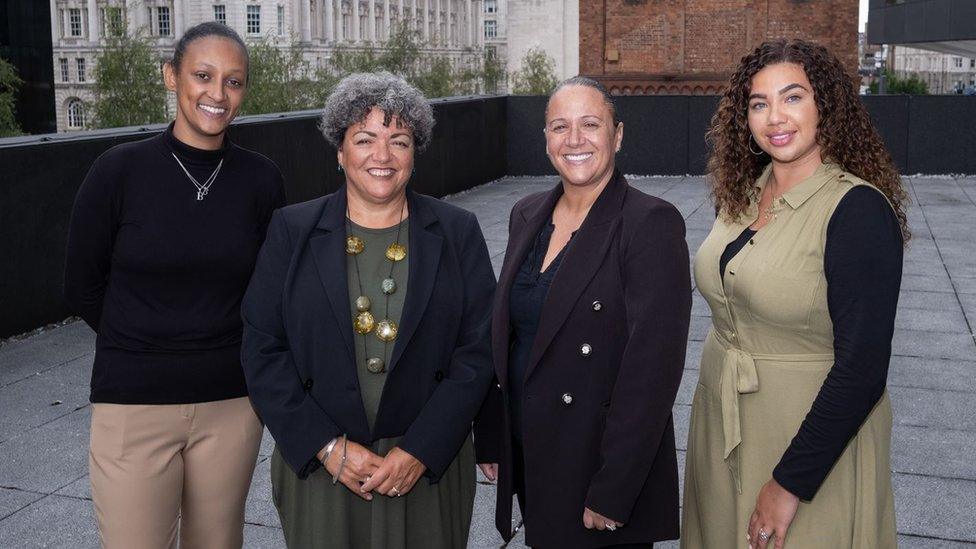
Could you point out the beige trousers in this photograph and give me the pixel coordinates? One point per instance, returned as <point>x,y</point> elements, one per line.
<point>163,471</point>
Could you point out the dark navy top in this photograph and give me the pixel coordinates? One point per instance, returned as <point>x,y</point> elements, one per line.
<point>528,295</point>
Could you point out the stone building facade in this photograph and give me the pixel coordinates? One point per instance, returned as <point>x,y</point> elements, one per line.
<point>944,73</point>
<point>645,47</point>
<point>78,29</point>
<point>552,25</point>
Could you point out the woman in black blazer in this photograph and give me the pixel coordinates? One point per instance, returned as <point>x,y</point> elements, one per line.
<point>366,347</point>
<point>589,331</point>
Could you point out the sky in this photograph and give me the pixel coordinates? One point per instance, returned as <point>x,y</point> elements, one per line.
<point>862,15</point>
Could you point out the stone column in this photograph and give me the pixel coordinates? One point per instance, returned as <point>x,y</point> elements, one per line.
<point>306,20</point>
<point>371,22</point>
<point>178,19</point>
<point>426,19</point>
<point>328,6</point>
<point>386,16</point>
<point>356,31</point>
<point>93,34</point>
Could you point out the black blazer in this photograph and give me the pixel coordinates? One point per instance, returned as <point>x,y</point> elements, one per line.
<point>597,424</point>
<point>298,353</point>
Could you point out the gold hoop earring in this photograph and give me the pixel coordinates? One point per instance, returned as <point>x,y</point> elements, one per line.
<point>760,153</point>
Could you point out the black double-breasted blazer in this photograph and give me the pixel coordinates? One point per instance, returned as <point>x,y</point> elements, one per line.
<point>602,376</point>
<point>298,354</point>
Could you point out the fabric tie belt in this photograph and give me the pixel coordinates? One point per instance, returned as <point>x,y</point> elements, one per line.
<point>739,377</point>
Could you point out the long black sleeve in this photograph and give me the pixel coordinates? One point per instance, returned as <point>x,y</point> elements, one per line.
<point>92,231</point>
<point>862,265</point>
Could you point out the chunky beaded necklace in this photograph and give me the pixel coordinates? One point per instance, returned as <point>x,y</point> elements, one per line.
<point>363,322</point>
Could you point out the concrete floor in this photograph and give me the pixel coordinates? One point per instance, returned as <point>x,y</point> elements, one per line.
<point>44,411</point>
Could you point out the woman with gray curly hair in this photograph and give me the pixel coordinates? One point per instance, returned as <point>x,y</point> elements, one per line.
<point>366,339</point>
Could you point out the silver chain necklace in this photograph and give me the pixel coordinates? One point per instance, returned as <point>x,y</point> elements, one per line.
<point>201,189</point>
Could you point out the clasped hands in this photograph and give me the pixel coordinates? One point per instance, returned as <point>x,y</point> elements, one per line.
<point>365,472</point>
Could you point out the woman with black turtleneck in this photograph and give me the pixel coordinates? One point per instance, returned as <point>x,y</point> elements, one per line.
<point>163,239</point>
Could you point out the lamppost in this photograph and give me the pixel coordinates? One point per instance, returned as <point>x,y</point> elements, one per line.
<point>880,59</point>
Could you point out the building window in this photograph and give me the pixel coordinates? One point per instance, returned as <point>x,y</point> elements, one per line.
<point>76,114</point>
<point>63,63</point>
<point>491,6</point>
<point>220,13</point>
<point>163,21</point>
<point>74,22</point>
<point>253,19</point>
<point>491,29</point>
<point>972,63</point>
<point>281,20</point>
<point>958,62</point>
<point>81,69</point>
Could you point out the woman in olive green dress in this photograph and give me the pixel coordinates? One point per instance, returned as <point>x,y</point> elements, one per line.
<point>791,425</point>
<point>366,340</point>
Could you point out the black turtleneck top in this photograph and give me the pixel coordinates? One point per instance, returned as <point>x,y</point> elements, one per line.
<point>159,275</point>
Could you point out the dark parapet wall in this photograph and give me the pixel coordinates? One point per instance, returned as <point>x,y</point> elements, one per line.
<point>665,135</point>
<point>39,177</point>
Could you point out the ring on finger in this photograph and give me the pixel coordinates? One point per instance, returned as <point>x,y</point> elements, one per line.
<point>396,491</point>
<point>763,536</point>
<point>611,526</point>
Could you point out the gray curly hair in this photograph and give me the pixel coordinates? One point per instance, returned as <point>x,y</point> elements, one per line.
<point>357,94</point>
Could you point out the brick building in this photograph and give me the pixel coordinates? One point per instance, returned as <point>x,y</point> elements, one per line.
<point>646,47</point>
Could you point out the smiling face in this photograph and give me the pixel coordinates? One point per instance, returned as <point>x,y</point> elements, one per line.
<point>581,139</point>
<point>377,159</point>
<point>209,86</point>
<point>783,114</point>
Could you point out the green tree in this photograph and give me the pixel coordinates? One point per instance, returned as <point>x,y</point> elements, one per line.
<point>912,85</point>
<point>536,76</point>
<point>128,85</point>
<point>279,80</point>
<point>492,71</point>
<point>10,82</point>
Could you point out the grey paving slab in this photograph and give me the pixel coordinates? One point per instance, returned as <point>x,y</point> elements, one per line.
<point>936,374</point>
<point>933,344</point>
<point>964,284</point>
<point>263,537</point>
<point>933,301</point>
<point>947,321</point>
<point>43,460</point>
<point>12,501</point>
<point>53,521</point>
<point>927,283</point>
<point>260,507</point>
<point>47,395</point>
<point>943,509</point>
<point>933,452</point>
<point>937,409</point>
<point>20,359</point>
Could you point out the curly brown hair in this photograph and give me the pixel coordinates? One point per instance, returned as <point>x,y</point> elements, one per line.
<point>845,132</point>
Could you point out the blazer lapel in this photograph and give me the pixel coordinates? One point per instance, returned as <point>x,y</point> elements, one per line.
<point>525,228</point>
<point>329,249</point>
<point>583,259</point>
<point>425,257</point>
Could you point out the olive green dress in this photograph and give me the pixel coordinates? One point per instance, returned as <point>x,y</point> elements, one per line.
<point>316,514</point>
<point>763,363</point>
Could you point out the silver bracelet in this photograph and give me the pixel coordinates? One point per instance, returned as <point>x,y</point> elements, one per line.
<point>342,460</point>
<point>328,450</point>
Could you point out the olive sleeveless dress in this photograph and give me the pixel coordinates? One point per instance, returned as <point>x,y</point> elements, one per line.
<point>764,360</point>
